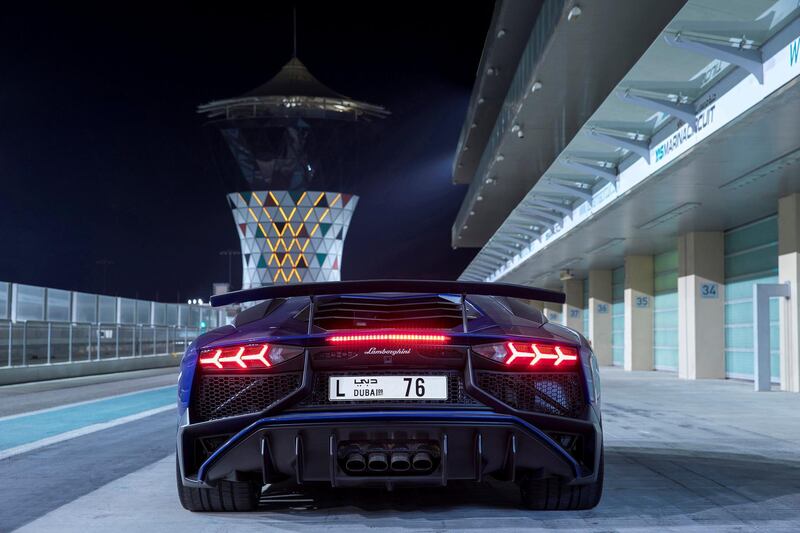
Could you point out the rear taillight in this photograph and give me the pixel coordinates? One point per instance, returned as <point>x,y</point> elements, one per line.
<point>530,355</point>
<point>246,356</point>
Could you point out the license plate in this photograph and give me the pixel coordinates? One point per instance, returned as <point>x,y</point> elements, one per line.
<point>387,388</point>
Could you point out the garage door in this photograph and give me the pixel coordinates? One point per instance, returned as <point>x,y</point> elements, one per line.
<point>751,256</point>
<point>618,315</point>
<point>665,311</point>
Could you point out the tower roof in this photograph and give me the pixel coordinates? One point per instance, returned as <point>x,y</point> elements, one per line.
<point>292,91</point>
<point>294,79</point>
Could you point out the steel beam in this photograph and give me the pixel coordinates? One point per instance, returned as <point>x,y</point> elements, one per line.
<point>543,212</point>
<point>537,219</point>
<point>684,112</point>
<point>563,187</point>
<point>561,208</point>
<point>749,59</point>
<point>605,173</point>
<point>640,148</point>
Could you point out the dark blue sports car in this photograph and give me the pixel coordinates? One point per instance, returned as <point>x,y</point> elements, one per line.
<point>389,383</point>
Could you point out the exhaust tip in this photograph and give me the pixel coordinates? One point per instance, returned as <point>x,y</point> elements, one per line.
<point>377,462</point>
<point>400,462</point>
<point>422,461</point>
<point>355,462</point>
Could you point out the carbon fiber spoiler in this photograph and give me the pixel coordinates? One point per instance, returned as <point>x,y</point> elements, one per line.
<point>388,285</point>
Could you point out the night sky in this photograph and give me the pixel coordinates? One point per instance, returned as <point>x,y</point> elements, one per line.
<point>103,158</point>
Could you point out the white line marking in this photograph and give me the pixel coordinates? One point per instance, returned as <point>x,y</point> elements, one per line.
<point>61,437</point>
<point>66,406</point>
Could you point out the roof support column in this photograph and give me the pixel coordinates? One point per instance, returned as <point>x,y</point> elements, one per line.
<point>789,272</point>
<point>552,312</point>
<point>600,315</point>
<point>701,305</point>
<point>572,313</point>
<point>639,292</point>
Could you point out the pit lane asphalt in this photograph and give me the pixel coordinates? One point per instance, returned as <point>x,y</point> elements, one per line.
<point>681,456</point>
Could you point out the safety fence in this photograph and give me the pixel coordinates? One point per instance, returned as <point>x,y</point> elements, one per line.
<point>44,343</point>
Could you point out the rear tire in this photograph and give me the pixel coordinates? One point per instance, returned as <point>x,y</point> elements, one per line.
<point>226,496</point>
<point>554,494</point>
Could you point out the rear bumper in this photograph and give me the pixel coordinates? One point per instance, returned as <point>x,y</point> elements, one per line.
<point>305,447</point>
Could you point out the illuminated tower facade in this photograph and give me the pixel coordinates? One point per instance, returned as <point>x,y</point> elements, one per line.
<point>288,151</point>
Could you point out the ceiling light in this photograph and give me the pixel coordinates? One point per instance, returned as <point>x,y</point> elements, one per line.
<point>763,171</point>
<point>606,245</point>
<point>669,215</point>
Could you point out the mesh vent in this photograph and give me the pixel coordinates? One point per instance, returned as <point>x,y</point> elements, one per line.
<point>414,313</point>
<point>551,393</point>
<point>456,395</point>
<point>223,396</point>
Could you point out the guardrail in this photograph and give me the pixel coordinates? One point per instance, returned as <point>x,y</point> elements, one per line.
<point>34,343</point>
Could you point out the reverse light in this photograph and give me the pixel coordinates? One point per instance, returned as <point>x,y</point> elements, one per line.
<point>391,337</point>
<point>246,356</point>
<point>537,354</point>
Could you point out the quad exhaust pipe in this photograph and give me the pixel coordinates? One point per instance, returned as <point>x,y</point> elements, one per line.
<point>422,461</point>
<point>355,462</point>
<point>400,461</point>
<point>377,462</point>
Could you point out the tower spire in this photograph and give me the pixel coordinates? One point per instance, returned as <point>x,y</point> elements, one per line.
<point>294,31</point>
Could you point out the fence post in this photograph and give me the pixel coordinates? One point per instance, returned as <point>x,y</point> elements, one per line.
<point>49,342</point>
<point>116,342</point>
<point>10,341</point>
<point>155,349</point>
<point>98,341</point>
<point>25,343</point>
<point>69,347</point>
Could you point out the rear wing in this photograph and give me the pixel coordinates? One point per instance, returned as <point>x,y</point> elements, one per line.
<point>388,285</point>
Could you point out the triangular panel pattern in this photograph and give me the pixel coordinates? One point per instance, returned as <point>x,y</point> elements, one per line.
<point>291,236</point>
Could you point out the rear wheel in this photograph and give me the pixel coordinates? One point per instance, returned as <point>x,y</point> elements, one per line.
<point>554,494</point>
<point>226,496</point>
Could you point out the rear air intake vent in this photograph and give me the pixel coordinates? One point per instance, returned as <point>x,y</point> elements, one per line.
<point>378,313</point>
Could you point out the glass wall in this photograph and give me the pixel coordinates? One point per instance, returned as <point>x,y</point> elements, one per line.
<point>52,326</point>
<point>751,257</point>
<point>160,314</point>
<point>618,316</point>
<point>142,312</point>
<point>84,307</point>
<point>4,299</point>
<point>107,309</point>
<point>30,303</point>
<point>58,303</point>
<point>127,311</point>
<point>665,311</point>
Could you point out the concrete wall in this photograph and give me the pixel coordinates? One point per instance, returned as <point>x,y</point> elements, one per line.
<point>26,374</point>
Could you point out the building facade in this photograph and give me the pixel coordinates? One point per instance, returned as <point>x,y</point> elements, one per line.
<point>666,204</point>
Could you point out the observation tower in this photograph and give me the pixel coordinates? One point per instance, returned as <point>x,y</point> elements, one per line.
<point>288,150</point>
